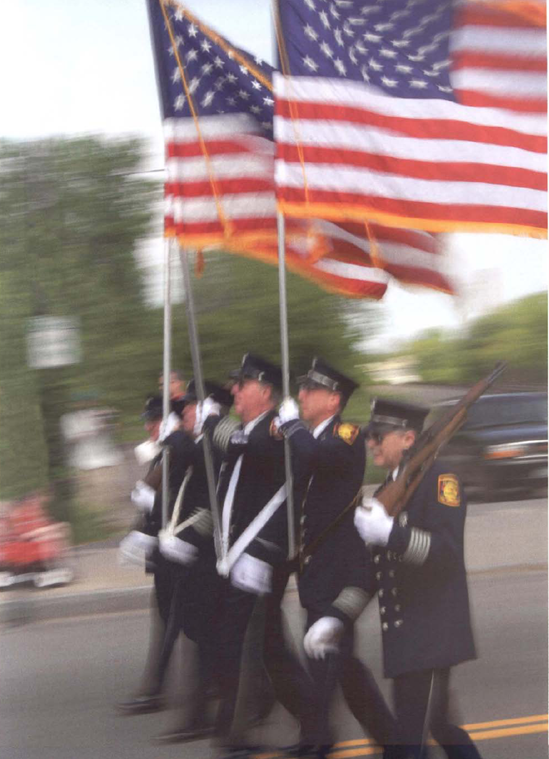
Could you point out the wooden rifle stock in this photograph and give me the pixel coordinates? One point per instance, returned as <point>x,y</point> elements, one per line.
<point>395,495</point>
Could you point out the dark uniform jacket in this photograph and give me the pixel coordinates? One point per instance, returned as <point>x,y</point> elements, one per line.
<point>334,580</point>
<point>181,450</point>
<point>421,580</point>
<point>262,473</point>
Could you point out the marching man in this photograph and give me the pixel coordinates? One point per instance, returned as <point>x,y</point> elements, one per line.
<point>419,575</point>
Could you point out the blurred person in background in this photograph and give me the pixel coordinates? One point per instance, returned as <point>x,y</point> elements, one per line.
<point>176,389</point>
<point>421,583</point>
<point>88,432</point>
<point>141,547</point>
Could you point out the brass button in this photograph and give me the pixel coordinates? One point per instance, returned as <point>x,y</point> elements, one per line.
<point>385,626</point>
<point>399,622</point>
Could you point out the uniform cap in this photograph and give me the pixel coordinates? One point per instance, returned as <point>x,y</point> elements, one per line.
<point>257,368</point>
<point>322,375</point>
<point>153,408</point>
<point>388,413</point>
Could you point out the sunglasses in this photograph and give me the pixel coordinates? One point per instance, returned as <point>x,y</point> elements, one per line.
<point>378,437</point>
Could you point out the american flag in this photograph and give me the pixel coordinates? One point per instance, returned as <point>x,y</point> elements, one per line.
<point>218,107</point>
<point>428,114</point>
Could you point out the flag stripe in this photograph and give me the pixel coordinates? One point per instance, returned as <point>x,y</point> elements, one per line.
<point>413,210</point>
<point>498,62</point>
<point>441,126</point>
<point>410,189</point>
<point>454,171</point>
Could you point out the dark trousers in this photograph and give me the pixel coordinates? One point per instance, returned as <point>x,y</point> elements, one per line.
<point>359,689</point>
<point>291,684</point>
<point>163,631</point>
<point>421,702</point>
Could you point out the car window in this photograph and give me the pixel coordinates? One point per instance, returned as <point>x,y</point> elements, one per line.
<point>500,411</point>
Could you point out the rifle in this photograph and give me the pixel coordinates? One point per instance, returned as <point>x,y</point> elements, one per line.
<point>395,495</point>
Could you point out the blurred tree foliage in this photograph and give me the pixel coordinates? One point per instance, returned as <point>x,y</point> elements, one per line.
<point>71,214</point>
<point>238,311</point>
<point>515,332</point>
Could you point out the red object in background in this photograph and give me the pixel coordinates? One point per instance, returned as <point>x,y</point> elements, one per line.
<point>28,537</point>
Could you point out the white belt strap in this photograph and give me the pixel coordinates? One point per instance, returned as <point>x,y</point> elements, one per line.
<point>225,565</point>
<point>170,529</point>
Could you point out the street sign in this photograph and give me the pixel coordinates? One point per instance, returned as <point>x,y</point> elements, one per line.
<point>53,341</point>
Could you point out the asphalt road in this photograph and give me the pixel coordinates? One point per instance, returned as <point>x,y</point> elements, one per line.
<point>59,680</point>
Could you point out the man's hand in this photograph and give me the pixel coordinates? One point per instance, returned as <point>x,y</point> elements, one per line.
<point>175,549</point>
<point>252,575</point>
<point>136,548</point>
<point>143,496</point>
<point>323,637</point>
<point>204,409</point>
<point>288,411</point>
<point>373,523</point>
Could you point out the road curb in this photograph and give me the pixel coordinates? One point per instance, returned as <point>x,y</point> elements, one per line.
<point>32,607</point>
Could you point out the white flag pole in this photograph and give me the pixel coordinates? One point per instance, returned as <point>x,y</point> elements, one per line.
<point>199,384</point>
<point>166,371</point>
<point>285,352</point>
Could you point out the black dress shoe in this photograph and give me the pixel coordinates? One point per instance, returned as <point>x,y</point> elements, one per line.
<point>184,735</point>
<point>141,705</point>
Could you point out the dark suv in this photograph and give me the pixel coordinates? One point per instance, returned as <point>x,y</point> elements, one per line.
<point>502,446</point>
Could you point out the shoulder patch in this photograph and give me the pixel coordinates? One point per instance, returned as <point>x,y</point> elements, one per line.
<point>347,432</point>
<point>448,490</point>
<point>274,430</point>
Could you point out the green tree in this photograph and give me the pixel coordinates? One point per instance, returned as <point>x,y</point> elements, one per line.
<point>515,333</point>
<point>71,212</point>
<point>238,311</point>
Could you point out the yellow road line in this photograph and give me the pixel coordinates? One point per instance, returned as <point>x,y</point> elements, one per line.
<point>501,722</point>
<point>469,727</point>
<point>504,732</point>
<point>479,731</point>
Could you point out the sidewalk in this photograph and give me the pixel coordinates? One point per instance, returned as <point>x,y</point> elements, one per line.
<point>499,537</point>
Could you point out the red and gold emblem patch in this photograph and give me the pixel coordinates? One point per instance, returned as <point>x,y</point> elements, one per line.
<point>448,490</point>
<point>347,432</point>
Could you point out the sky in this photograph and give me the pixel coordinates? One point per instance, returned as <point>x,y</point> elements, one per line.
<point>86,66</point>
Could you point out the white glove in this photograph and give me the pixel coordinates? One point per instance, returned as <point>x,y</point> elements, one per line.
<point>143,496</point>
<point>136,548</point>
<point>145,452</point>
<point>168,426</point>
<point>175,549</point>
<point>323,637</point>
<point>373,523</point>
<point>252,575</point>
<point>288,411</point>
<point>203,410</point>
